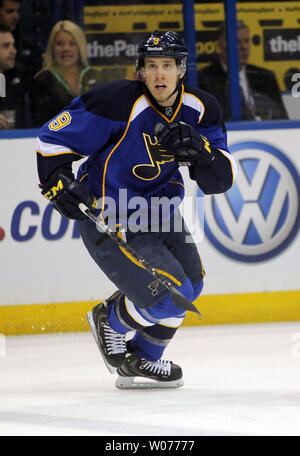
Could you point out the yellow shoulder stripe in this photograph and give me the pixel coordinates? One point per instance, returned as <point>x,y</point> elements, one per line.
<point>60,153</point>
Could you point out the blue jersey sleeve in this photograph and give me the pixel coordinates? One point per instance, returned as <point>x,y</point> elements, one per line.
<point>80,130</point>
<point>73,134</point>
<point>219,176</point>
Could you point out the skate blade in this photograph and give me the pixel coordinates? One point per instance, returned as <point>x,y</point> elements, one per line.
<point>140,383</point>
<point>91,323</point>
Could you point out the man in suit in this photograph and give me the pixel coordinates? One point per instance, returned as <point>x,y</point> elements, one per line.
<point>12,105</point>
<point>260,94</point>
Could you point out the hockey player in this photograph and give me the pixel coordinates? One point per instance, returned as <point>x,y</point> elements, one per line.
<point>135,135</point>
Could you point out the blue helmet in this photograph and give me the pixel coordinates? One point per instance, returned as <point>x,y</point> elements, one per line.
<point>162,44</point>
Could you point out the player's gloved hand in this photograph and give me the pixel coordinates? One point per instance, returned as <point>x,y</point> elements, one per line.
<point>185,143</point>
<point>65,193</point>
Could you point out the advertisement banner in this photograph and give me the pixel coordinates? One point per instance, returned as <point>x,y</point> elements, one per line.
<point>42,258</point>
<point>252,238</point>
<point>113,31</point>
<point>251,242</point>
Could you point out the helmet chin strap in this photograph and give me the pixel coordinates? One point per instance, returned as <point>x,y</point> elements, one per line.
<point>180,80</point>
<point>179,83</point>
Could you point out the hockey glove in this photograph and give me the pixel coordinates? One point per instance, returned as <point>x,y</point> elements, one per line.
<point>65,193</point>
<point>188,147</point>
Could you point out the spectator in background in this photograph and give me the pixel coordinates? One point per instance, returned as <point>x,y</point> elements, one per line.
<point>12,106</point>
<point>260,94</point>
<point>37,18</point>
<point>10,13</point>
<point>29,56</point>
<point>65,73</point>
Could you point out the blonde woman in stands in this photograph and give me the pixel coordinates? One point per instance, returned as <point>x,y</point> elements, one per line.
<point>65,74</point>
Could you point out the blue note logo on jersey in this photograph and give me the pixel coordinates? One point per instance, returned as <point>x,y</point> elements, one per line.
<point>259,216</point>
<point>157,156</point>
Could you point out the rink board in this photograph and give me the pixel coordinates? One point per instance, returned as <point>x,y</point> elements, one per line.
<point>48,281</point>
<point>216,310</point>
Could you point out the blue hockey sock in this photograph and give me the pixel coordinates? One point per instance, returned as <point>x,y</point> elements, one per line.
<point>146,349</point>
<point>197,287</point>
<point>114,322</point>
<point>124,316</point>
<point>167,308</point>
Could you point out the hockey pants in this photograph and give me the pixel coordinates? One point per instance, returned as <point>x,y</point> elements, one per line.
<point>144,304</point>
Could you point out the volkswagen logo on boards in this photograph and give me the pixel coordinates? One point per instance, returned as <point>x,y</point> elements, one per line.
<point>259,216</point>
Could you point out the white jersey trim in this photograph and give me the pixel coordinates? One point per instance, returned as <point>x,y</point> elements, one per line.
<point>47,149</point>
<point>193,102</point>
<point>141,105</point>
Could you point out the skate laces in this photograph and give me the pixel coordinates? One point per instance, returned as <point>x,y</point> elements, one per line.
<point>158,367</point>
<point>115,342</point>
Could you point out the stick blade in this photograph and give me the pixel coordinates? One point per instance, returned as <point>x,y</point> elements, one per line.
<point>183,303</point>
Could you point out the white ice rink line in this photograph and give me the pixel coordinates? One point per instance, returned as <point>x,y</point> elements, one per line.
<point>239,380</point>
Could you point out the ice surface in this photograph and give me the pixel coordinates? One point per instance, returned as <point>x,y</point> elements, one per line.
<point>239,380</point>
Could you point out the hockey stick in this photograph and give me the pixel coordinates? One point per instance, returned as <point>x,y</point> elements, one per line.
<point>177,297</point>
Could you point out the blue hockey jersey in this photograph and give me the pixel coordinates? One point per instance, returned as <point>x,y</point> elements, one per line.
<point>112,126</point>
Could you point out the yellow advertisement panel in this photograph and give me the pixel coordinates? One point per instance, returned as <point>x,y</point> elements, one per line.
<point>113,33</point>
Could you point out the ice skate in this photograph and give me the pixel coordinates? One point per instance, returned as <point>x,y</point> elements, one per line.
<point>111,344</point>
<point>137,372</point>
